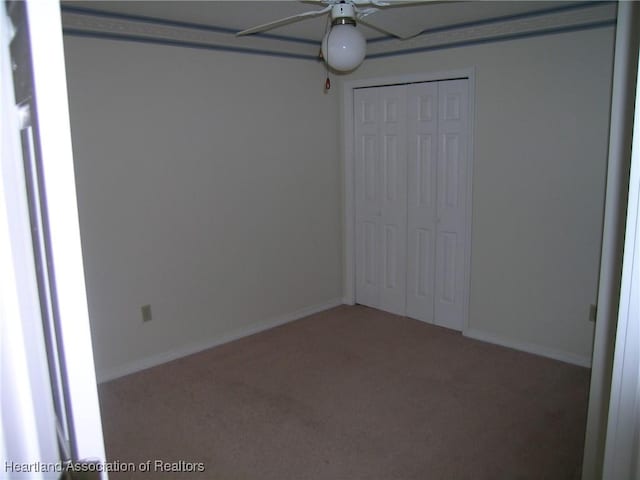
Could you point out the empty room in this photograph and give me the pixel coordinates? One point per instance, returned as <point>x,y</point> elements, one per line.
<point>363,242</point>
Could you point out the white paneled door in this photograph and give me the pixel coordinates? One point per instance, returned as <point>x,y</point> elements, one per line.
<point>411,148</point>
<point>381,197</point>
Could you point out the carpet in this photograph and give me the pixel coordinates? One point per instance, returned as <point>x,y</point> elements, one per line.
<point>349,393</point>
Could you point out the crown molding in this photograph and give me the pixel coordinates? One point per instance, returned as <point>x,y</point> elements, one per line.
<point>599,15</point>
<point>91,23</point>
<point>119,27</point>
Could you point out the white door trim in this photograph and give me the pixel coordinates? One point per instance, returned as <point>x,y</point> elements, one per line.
<point>621,457</point>
<point>349,171</point>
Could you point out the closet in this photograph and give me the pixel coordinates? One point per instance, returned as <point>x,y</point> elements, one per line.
<point>411,206</point>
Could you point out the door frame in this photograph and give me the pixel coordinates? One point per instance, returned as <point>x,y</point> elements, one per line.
<point>348,171</point>
<point>32,431</point>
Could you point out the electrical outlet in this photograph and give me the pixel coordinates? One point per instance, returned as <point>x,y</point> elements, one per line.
<point>146,313</point>
<point>593,311</point>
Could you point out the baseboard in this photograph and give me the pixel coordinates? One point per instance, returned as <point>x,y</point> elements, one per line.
<point>348,301</point>
<point>173,354</point>
<point>529,348</point>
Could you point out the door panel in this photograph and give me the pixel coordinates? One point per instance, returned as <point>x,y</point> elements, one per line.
<point>424,262</point>
<point>381,198</point>
<point>394,200</point>
<point>422,131</point>
<point>368,197</point>
<point>370,254</point>
<point>447,283</point>
<point>369,160</point>
<point>451,205</point>
<point>450,165</point>
<point>390,239</point>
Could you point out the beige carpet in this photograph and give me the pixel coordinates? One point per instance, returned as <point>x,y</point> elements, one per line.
<point>352,393</point>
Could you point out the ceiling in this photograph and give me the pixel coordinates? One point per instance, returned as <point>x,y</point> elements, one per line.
<point>239,15</point>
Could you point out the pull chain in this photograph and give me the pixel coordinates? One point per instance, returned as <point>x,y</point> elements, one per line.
<point>327,82</point>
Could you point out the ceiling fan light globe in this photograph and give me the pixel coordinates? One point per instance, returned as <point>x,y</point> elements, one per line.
<point>344,48</point>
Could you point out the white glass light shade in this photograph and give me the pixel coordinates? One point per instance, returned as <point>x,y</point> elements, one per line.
<point>344,48</point>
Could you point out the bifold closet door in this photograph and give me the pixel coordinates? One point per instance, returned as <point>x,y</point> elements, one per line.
<point>437,218</point>
<point>411,167</point>
<point>381,197</point>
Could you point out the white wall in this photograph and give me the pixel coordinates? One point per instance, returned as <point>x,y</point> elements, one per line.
<point>541,126</point>
<point>208,186</point>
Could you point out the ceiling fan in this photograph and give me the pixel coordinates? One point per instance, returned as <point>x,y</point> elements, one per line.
<point>343,46</point>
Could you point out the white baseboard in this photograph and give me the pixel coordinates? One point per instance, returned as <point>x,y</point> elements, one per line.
<point>348,301</point>
<point>173,354</point>
<point>529,348</point>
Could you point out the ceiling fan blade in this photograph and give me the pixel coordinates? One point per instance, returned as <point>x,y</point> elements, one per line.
<point>402,36</point>
<point>373,17</point>
<point>366,16</point>
<point>284,21</point>
<point>403,3</point>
